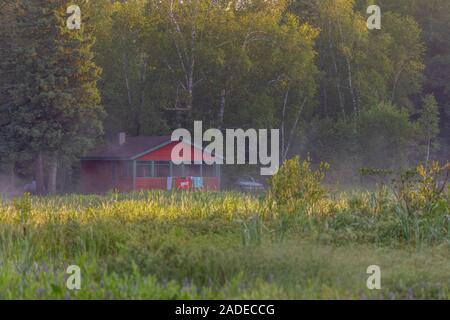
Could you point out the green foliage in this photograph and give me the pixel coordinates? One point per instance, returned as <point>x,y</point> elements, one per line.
<point>383,135</point>
<point>296,185</point>
<point>429,124</point>
<point>55,109</point>
<point>420,190</point>
<point>378,137</point>
<point>165,65</point>
<point>406,52</point>
<point>434,19</point>
<point>276,64</point>
<point>421,204</point>
<point>23,206</point>
<point>57,102</point>
<point>157,245</point>
<point>362,67</point>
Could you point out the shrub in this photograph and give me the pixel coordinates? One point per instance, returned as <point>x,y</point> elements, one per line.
<point>297,186</point>
<point>420,189</point>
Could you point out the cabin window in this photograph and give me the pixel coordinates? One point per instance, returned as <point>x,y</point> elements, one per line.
<point>193,170</point>
<point>114,171</point>
<point>209,170</point>
<point>186,170</point>
<point>162,169</point>
<point>178,170</point>
<point>144,169</point>
<point>127,169</point>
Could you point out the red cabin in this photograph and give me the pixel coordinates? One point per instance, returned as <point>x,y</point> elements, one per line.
<point>143,163</point>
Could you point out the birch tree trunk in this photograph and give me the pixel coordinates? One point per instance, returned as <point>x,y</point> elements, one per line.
<point>336,72</point>
<point>293,130</point>
<point>394,88</point>
<point>349,71</point>
<point>350,85</point>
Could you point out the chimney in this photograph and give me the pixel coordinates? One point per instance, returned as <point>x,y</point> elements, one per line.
<point>122,138</point>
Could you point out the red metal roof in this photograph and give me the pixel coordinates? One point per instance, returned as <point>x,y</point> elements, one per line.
<point>132,148</point>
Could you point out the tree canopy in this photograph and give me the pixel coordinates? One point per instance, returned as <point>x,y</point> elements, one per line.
<point>311,68</point>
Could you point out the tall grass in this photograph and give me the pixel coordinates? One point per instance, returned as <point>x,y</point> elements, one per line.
<point>221,245</point>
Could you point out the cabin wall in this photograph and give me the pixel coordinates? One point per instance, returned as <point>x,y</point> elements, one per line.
<point>210,183</point>
<point>96,176</point>
<point>99,176</point>
<point>151,183</point>
<point>105,176</point>
<point>125,176</point>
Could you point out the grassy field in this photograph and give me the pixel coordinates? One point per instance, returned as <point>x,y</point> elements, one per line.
<point>157,245</point>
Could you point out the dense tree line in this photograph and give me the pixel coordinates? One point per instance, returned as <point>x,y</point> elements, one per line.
<point>52,112</point>
<point>337,90</point>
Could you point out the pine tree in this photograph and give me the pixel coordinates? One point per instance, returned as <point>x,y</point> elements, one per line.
<point>56,110</point>
<point>7,40</point>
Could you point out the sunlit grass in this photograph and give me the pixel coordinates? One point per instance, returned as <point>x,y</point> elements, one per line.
<point>151,245</point>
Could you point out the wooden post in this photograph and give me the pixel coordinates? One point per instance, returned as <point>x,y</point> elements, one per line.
<point>218,175</point>
<point>134,175</point>
<point>153,169</point>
